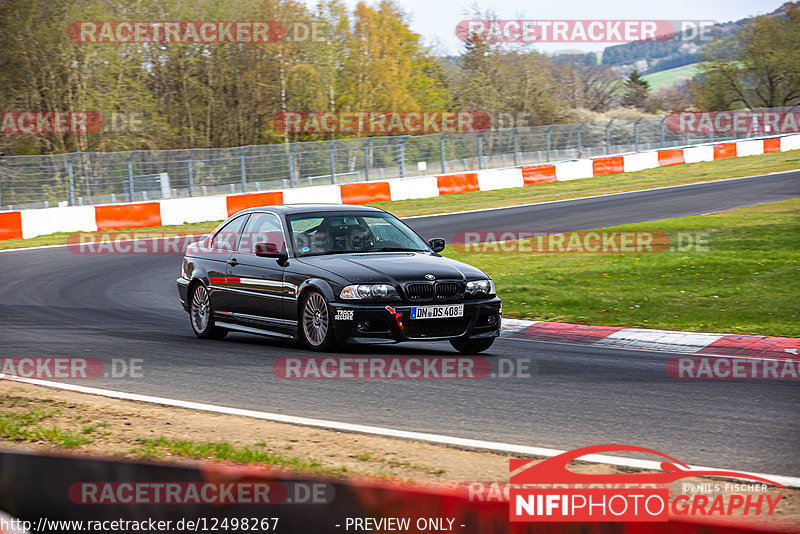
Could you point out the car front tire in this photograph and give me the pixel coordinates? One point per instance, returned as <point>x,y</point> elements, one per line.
<point>472,346</point>
<point>316,322</point>
<point>201,316</point>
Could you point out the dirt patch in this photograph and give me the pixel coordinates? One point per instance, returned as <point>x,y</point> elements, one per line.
<point>90,424</point>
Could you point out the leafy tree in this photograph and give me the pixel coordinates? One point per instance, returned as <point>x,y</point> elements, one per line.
<point>759,66</point>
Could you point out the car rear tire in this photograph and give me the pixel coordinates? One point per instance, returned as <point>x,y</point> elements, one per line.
<point>201,316</point>
<point>316,324</point>
<point>472,346</point>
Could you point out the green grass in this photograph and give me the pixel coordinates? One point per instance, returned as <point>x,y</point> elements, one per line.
<point>222,450</point>
<point>674,175</point>
<point>747,282</point>
<point>25,427</point>
<point>670,76</point>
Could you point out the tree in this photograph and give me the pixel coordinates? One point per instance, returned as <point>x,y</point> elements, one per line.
<point>759,66</point>
<point>636,89</point>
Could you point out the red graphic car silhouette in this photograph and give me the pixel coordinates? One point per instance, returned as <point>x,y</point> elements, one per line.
<point>554,470</point>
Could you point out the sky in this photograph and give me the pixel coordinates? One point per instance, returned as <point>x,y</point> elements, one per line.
<point>436,20</point>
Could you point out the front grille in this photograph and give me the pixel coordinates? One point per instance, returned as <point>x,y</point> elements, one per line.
<point>448,290</point>
<point>420,291</point>
<point>423,291</point>
<point>422,328</point>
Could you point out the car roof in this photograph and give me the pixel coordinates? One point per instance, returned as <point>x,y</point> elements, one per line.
<point>290,209</point>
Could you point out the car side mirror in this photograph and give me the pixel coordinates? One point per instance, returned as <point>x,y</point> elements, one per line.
<point>270,250</point>
<point>436,244</point>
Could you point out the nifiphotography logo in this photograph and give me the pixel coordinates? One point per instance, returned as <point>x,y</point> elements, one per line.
<point>548,491</point>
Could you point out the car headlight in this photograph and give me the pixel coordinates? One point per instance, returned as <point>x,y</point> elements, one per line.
<point>480,287</point>
<point>365,291</point>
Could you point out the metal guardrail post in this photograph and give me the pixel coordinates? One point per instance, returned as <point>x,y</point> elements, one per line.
<point>580,141</point>
<point>608,136</point>
<point>290,161</point>
<point>547,142</point>
<point>403,155</point>
<point>662,132</point>
<point>636,134</point>
<point>130,189</point>
<point>442,152</point>
<point>191,172</point>
<point>366,159</point>
<point>244,169</point>
<point>71,179</point>
<point>516,146</point>
<point>332,152</point>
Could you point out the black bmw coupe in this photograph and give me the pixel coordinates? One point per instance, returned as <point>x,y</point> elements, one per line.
<point>328,274</point>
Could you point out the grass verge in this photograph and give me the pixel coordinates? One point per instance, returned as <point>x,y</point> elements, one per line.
<point>614,183</point>
<point>746,282</point>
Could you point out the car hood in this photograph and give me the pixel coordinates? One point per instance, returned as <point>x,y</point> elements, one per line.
<point>393,267</point>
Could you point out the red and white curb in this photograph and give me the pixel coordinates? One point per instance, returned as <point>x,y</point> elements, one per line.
<point>660,340</point>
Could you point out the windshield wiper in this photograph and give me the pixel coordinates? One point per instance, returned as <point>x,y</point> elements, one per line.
<point>394,249</point>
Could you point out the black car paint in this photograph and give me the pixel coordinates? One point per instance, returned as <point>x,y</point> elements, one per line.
<point>267,301</point>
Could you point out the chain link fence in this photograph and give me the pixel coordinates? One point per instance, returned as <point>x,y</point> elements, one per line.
<point>84,178</point>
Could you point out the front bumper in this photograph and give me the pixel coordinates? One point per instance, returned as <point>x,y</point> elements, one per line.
<point>379,323</point>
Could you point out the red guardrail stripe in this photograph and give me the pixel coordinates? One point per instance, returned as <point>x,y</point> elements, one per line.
<point>10,225</point>
<point>116,216</point>
<point>670,157</point>
<point>236,203</point>
<point>725,150</point>
<point>365,192</point>
<point>457,183</point>
<point>609,165</point>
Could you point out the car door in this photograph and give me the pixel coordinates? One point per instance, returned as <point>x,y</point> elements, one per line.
<point>221,247</point>
<point>257,283</point>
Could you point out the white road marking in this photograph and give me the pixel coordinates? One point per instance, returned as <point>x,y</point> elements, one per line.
<point>793,482</point>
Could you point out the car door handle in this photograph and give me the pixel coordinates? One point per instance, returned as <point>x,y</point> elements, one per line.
<point>232,262</point>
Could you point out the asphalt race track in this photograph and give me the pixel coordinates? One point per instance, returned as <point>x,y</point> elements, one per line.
<point>55,303</point>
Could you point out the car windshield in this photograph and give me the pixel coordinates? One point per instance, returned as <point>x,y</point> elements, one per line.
<point>342,233</point>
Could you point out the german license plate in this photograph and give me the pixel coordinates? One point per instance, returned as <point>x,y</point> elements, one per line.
<point>437,312</point>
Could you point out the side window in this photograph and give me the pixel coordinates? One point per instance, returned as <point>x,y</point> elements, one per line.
<point>261,228</point>
<point>225,240</point>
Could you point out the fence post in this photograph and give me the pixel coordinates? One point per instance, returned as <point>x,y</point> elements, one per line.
<point>366,159</point>
<point>129,161</point>
<point>480,150</point>
<point>580,141</point>
<point>290,160</point>
<point>547,141</point>
<point>403,155</point>
<point>516,146</point>
<point>191,172</point>
<point>662,132</point>
<point>71,179</point>
<point>332,153</point>
<point>244,170</point>
<point>608,137</point>
<point>442,152</point>
<point>636,134</point>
